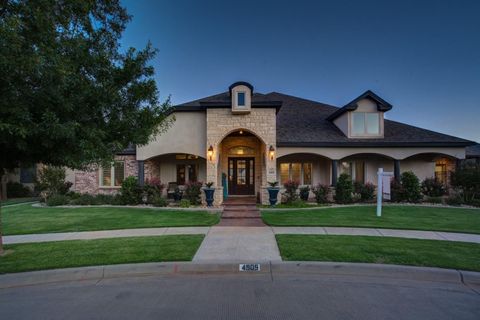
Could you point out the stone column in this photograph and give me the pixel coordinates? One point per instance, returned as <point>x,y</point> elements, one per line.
<point>396,169</point>
<point>141,172</point>
<point>334,172</point>
<point>271,172</point>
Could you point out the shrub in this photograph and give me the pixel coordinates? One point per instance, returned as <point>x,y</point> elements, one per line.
<point>193,191</point>
<point>321,192</point>
<point>153,188</point>
<point>466,180</point>
<point>57,200</point>
<point>433,188</point>
<point>455,200</point>
<point>51,180</point>
<point>159,201</point>
<point>184,203</point>
<point>290,194</point>
<point>411,187</point>
<point>396,190</point>
<point>475,202</point>
<point>304,193</point>
<point>366,192</point>
<point>131,191</point>
<point>83,199</point>
<point>17,190</point>
<point>104,199</point>
<point>438,200</point>
<point>344,189</point>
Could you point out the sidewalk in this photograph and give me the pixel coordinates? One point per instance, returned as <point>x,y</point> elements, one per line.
<point>241,235</point>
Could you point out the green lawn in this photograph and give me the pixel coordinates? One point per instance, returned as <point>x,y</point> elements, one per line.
<point>24,219</point>
<point>77,253</point>
<point>394,217</point>
<point>426,253</point>
<point>17,200</point>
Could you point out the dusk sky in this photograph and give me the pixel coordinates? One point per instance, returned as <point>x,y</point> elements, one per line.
<point>421,56</point>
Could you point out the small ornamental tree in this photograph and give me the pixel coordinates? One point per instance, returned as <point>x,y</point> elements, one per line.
<point>68,95</point>
<point>321,193</point>
<point>193,192</point>
<point>344,189</point>
<point>466,181</point>
<point>51,181</point>
<point>411,187</point>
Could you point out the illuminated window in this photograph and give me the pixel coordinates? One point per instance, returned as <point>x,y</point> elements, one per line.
<point>186,173</point>
<point>112,176</point>
<point>241,151</point>
<point>442,172</point>
<point>300,172</point>
<point>365,124</point>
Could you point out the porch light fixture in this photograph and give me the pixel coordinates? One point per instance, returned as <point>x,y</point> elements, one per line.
<point>271,152</point>
<point>241,131</point>
<point>210,153</point>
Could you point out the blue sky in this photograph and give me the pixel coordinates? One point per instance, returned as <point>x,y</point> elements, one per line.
<point>421,56</point>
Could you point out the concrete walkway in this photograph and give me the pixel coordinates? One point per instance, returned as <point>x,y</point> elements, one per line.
<point>239,244</point>
<point>243,235</point>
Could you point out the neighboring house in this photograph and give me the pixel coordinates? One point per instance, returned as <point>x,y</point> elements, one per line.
<point>241,139</point>
<point>472,154</point>
<point>27,176</point>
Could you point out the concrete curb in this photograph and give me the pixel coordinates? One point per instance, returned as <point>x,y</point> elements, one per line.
<point>202,209</point>
<point>270,269</point>
<point>330,206</point>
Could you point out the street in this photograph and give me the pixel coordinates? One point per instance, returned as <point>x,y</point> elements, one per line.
<point>286,295</point>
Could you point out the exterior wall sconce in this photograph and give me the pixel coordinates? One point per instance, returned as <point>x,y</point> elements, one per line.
<point>271,152</point>
<point>210,153</point>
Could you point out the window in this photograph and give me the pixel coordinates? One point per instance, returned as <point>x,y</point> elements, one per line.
<point>442,172</point>
<point>355,169</point>
<point>186,173</point>
<point>241,99</point>
<point>112,176</point>
<point>301,172</point>
<point>364,123</point>
<point>241,151</point>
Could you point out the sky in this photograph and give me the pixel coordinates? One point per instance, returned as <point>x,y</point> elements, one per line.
<point>421,56</point>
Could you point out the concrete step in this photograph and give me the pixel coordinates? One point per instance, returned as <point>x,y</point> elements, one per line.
<point>244,222</point>
<point>240,208</point>
<point>240,214</point>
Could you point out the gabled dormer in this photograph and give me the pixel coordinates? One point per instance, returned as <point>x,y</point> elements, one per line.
<point>363,117</point>
<point>241,97</point>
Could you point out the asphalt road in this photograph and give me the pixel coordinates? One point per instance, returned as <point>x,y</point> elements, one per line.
<point>242,296</point>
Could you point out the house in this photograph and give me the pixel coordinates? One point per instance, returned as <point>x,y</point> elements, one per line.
<point>241,139</point>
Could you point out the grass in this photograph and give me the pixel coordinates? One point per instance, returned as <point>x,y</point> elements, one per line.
<point>78,253</point>
<point>425,253</point>
<point>394,217</point>
<point>25,219</point>
<point>17,201</point>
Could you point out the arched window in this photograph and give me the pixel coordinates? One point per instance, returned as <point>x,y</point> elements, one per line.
<point>241,151</point>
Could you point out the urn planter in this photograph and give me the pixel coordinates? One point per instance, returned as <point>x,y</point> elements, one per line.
<point>209,193</point>
<point>272,195</point>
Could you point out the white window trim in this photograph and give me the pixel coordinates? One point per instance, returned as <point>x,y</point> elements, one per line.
<point>302,173</point>
<point>365,134</point>
<point>112,177</point>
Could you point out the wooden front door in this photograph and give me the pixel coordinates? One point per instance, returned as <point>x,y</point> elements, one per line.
<point>241,176</point>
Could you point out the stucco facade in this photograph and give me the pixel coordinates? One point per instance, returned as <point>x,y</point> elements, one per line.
<point>233,140</point>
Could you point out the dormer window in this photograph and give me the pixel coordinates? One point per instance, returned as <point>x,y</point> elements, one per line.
<point>241,99</point>
<point>365,124</point>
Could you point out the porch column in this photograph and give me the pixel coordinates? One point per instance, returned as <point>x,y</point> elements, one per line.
<point>396,169</point>
<point>334,172</point>
<point>458,163</point>
<point>141,172</point>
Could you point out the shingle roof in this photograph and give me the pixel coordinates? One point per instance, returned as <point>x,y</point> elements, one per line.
<point>303,123</point>
<point>473,151</point>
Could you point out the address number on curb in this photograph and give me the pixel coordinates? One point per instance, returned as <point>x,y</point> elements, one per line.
<point>249,267</point>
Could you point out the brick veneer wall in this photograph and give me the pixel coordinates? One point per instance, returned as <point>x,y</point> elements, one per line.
<point>87,181</point>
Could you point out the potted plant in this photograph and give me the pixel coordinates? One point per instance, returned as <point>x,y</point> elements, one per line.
<point>273,190</point>
<point>209,192</point>
<point>177,195</point>
<point>304,193</point>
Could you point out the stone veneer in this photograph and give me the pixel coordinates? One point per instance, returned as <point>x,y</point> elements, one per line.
<point>87,181</point>
<point>261,122</point>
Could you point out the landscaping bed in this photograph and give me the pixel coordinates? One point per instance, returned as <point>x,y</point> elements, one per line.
<point>393,217</point>
<point>26,219</point>
<point>79,253</point>
<point>414,252</point>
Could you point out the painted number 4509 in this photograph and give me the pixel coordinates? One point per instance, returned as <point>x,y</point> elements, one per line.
<point>249,267</point>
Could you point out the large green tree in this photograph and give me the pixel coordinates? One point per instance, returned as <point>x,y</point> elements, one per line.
<point>70,95</point>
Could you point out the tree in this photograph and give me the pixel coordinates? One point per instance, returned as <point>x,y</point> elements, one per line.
<point>69,94</point>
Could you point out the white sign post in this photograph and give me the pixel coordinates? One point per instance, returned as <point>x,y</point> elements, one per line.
<point>383,188</point>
